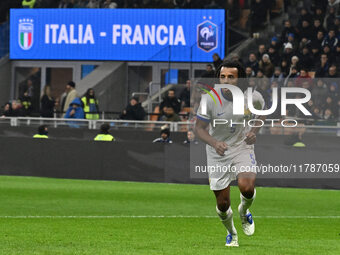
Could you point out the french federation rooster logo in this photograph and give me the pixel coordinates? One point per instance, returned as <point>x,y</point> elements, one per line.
<point>207,32</point>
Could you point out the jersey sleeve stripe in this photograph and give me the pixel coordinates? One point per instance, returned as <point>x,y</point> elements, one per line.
<point>204,119</point>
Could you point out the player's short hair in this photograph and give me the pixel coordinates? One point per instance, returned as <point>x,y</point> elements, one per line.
<point>240,71</point>
<point>232,64</point>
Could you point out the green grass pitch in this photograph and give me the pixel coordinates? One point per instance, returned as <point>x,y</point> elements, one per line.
<point>202,234</point>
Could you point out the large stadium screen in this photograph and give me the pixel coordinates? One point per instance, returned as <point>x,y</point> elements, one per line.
<point>120,34</point>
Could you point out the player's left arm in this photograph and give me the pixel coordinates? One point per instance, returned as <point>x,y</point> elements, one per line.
<point>258,104</point>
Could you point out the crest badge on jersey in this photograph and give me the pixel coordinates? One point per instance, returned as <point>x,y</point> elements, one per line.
<point>26,32</point>
<point>207,34</point>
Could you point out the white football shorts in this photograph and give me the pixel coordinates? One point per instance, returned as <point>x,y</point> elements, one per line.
<point>223,170</point>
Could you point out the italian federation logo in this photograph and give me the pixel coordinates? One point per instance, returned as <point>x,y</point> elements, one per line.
<point>26,29</point>
<point>207,36</point>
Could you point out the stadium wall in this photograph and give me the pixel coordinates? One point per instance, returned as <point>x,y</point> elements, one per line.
<point>143,161</point>
<point>5,84</point>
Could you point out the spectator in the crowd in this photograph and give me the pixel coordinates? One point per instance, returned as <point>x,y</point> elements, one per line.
<point>334,91</point>
<point>331,56</point>
<point>217,61</point>
<point>285,69</point>
<point>185,94</point>
<point>28,3</point>
<point>277,76</point>
<point>320,36</point>
<point>304,16</point>
<point>75,110</point>
<point>332,72</point>
<point>331,40</point>
<point>134,110</point>
<point>260,74</point>
<point>66,4</point>
<point>288,29</point>
<point>47,103</point>
<point>328,114</point>
<point>90,105</point>
<point>293,41</point>
<point>293,73</point>
<point>305,59</point>
<point>319,15</point>
<point>266,66</point>
<point>317,113</point>
<point>26,103</point>
<point>209,72</point>
<point>274,56</point>
<point>165,136</point>
<point>330,18</point>
<point>17,109</point>
<point>170,115</point>
<point>71,95</point>
<point>27,87</point>
<point>7,110</point>
<point>334,4</point>
<point>319,93</point>
<point>93,4</point>
<point>171,100</point>
<point>306,31</point>
<point>274,43</point>
<point>317,26</point>
<point>303,77</point>
<point>337,53</point>
<point>322,66</point>
<point>261,51</point>
<point>315,56</point>
<point>329,104</point>
<point>295,62</point>
<point>42,132</point>
<point>190,138</point>
<point>288,53</point>
<point>81,4</point>
<point>104,134</point>
<point>304,43</point>
<point>109,4</point>
<point>252,62</point>
<point>249,72</point>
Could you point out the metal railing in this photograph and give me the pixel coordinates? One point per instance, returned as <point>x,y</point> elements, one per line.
<point>147,125</point>
<point>95,124</point>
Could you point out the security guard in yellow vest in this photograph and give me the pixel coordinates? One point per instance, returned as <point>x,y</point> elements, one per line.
<point>42,132</point>
<point>104,134</point>
<point>90,104</point>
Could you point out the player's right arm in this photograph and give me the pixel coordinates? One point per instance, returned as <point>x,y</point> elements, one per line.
<point>203,134</point>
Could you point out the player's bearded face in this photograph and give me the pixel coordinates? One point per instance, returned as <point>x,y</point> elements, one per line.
<point>228,75</point>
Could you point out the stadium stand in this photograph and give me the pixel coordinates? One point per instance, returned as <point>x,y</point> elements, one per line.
<point>304,44</point>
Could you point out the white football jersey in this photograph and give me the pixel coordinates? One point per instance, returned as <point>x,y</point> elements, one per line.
<point>233,134</point>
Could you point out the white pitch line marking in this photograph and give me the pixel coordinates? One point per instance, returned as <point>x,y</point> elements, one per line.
<point>155,216</point>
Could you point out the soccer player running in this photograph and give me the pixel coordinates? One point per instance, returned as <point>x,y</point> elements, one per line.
<point>231,146</point>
